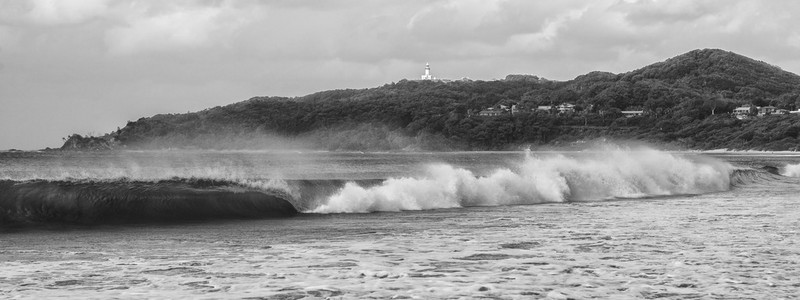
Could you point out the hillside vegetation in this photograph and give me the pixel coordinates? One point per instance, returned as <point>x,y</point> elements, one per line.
<point>687,102</point>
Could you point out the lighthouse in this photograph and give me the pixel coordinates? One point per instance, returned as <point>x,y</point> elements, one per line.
<point>427,75</point>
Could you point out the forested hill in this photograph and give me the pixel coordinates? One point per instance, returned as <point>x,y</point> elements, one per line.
<point>687,102</point>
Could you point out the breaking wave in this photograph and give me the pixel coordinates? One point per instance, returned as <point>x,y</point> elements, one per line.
<point>89,202</point>
<point>791,170</point>
<point>134,196</point>
<point>616,173</point>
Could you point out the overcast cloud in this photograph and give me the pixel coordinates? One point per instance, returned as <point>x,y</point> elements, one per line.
<point>89,66</point>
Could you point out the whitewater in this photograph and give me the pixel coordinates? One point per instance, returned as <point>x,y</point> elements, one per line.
<point>594,176</point>
<point>608,222</point>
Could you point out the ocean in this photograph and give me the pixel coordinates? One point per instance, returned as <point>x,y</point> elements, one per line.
<point>608,223</point>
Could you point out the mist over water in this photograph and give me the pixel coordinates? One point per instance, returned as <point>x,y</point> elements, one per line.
<point>612,172</point>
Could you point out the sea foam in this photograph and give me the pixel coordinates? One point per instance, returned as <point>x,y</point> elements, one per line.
<point>611,173</point>
<point>791,170</point>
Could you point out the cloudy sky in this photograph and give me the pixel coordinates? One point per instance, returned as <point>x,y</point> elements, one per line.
<point>89,66</point>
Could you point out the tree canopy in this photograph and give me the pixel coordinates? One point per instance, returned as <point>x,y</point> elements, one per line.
<point>687,102</point>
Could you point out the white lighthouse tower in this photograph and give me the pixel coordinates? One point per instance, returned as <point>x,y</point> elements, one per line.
<point>427,75</point>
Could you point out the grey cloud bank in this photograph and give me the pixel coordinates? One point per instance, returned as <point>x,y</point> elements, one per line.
<point>90,65</point>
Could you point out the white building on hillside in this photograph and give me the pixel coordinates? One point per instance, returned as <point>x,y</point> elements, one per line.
<point>427,75</point>
<point>632,113</point>
<point>566,108</point>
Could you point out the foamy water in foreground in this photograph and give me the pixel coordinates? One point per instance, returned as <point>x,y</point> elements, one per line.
<point>737,242</point>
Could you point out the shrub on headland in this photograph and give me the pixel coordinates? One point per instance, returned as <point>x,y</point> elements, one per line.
<point>79,142</point>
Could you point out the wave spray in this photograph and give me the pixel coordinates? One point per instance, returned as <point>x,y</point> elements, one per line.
<point>613,172</point>
<point>791,170</point>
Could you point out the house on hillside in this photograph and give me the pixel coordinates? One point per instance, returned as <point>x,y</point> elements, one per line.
<point>502,109</point>
<point>566,108</point>
<point>766,110</point>
<point>492,112</point>
<point>742,112</point>
<point>515,109</point>
<point>632,113</point>
<point>561,108</point>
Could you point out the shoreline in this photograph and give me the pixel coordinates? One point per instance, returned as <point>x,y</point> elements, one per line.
<point>302,151</point>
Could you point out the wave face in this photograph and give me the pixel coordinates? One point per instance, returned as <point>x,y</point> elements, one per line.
<point>125,201</point>
<point>791,170</point>
<point>764,176</point>
<point>608,174</point>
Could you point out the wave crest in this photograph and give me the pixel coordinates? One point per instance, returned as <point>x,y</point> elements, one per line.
<point>791,170</point>
<point>608,174</point>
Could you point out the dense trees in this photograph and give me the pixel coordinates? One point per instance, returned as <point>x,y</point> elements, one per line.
<point>687,100</point>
